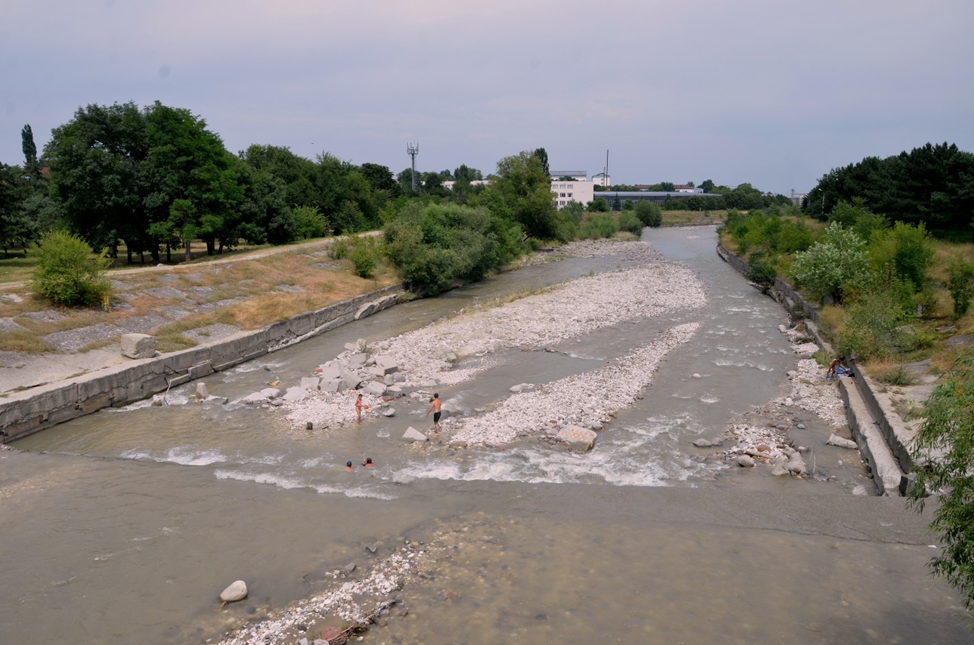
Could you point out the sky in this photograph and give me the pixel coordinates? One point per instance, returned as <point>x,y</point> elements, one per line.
<point>775,93</point>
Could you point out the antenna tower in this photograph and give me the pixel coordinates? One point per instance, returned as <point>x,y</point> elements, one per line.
<point>412,149</point>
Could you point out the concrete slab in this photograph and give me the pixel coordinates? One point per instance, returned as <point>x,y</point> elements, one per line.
<point>212,332</point>
<point>174,313</point>
<point>74,339</point>
<point>8,324</point>
<point>166,292</point>
<point>143,324</point>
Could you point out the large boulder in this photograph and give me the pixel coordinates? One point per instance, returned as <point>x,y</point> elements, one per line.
<point>138,345</point>
<point>295,394</point>
<point>386,364</point>
<point>331,371</point>
<point>577,437</point>
<point>271,392</point>
<point>375,388</point>
<point>841,442</point>
<point>236,591</point>
<point>351,380</point>
<point>310,383</point>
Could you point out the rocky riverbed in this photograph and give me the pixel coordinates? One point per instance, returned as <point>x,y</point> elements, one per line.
<point>455,350</point>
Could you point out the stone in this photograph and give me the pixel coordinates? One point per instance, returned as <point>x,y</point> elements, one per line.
<point>310,383</point>
<point>331,371</point>
<point>357,360</point>
<point>389,380</point>
<point>157,401</point>
<point>138,346</point>
<point>201,392</point>
<point>796,465</point>
<point>745,462</point>
<point>332,385</point>
<point>295,394</point>
<point>702,443</point>
<point>348,568</point>
<point>780,466</point>
<point>386,364</point>
<point>577,437</point>
<point>251,399</point>
<point>375,371</point>
<point>414,435</point>
<point>375,388</point>
<point>220,400</point>
<point>388,412</point>
<point>959,341</point>
<point>764,448</point>
<point>271,392</point>
<point>841,442</point>
<point>236,591</point>
<point>351,380</point>
<point>695,375</point>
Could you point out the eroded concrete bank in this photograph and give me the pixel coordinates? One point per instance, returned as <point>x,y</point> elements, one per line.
<point>882,436</point>
<point>23,413</point>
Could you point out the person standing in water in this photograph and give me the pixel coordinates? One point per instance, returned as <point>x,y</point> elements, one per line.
<point>358,409</point>
<point>436,407</point>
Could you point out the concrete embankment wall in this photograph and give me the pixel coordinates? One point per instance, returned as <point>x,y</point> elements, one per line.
<point>887,453</point>
<point>23,413</point>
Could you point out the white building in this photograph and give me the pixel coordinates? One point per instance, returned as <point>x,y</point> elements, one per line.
<point>581,191</point>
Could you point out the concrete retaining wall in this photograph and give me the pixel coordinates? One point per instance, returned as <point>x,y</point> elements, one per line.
<point>23,413</point>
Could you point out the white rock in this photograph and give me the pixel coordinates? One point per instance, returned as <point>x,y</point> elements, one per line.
<point>375,388</point>
<point>414,435</point>
<point>271,392</point>
<point>295,394</point>
<point>388,412</point>
<point>236,591</point>
<point>138,345</point>
<point>201,392</point>
<point>251,399</point>
<point>577,437</point>
<point>745,462</point>
<point>841,442</point>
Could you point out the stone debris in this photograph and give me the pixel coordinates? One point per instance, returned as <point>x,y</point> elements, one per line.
<point>412,434</point>
<point>456,349</point>
<point>590,398</point>
<point>841,442</point>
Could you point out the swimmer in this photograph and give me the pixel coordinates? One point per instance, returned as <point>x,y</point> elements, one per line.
<point>348,466</point>
<point>368,462</point>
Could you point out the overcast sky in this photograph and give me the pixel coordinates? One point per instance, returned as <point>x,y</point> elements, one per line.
<point>771,92</point>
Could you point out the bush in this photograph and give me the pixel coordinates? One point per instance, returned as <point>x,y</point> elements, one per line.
<point>65,274</point>
<point>436,245</point>
<point>833,266</point>
<point>649,214</point>
<point>598,205</point>
<point>906,249</point>
<point>876,325</point>
<point>365,256</point>
<point>960,282</point>
<point>628,221</point>
<point>309,222</point>
<point>598,226</point>
<point>761,271</point>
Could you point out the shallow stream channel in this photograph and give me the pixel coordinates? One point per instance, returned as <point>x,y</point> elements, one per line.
<point>124,526</point>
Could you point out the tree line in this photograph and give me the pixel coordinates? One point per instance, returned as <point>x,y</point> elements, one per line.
<point>932,185</point>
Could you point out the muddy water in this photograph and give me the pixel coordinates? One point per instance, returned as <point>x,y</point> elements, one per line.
<point>135,519</point>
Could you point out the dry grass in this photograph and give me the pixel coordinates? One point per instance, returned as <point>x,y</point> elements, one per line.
<point>887,371</point>
<point>24,341</point>
<point>697,218</point>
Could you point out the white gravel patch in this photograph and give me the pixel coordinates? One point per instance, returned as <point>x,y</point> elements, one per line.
<point>587,399</point>
<point>572,310</point>
<point>333,409</point>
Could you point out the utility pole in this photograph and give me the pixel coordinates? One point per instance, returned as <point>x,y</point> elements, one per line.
<point>605,179</point>
<point>412,149</point>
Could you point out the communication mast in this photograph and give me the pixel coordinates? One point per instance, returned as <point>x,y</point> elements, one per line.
<point>412,149</point>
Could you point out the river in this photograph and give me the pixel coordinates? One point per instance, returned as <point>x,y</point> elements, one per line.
<point>125,525</point>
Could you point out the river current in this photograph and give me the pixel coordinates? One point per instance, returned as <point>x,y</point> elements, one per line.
<point>125,525</point>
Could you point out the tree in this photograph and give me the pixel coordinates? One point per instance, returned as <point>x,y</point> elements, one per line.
<point>29,148</point>
<point>524,189</point>
<point>379,177</point>
<point>13,193</point>
<point>944,450</point>
<point>830,267</point>
<point>649,214</point>
<point>707,185</point>
<point>598,205</point>
<point>542,155</point>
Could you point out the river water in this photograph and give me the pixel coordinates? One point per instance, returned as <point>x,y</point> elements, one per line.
<point>125,525</point>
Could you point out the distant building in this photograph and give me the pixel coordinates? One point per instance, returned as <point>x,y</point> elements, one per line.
<point>686,188</point>
<point>576,175</point>
<point>581,191</point>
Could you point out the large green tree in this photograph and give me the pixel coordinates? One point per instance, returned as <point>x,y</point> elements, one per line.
<point>29,148</point>
<point>523,189</point>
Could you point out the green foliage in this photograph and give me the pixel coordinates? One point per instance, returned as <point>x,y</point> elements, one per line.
<point>944,450</point>
<point>521,188</point>
<point>761,271</point>
<point>437,245</point>
<point>64,272</point>
<point>29,148</point>
<point>628,205</point>
<point>877,323</point>
<point>309,222</point>
<point>597,227</point>
<point>960,283</point>
<point>598,205</point>
<point>832,266</point>
<point>364,254</point>
<point>933,184</point>
<point>906,249</point>
<point>649,214</point>
<point>628,221</point>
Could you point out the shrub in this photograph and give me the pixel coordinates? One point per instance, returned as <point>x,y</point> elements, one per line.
<point>875,325</point>
<point>832,266</point>
<point>364,255</point>
<point>761,271</point>
<point>436,245</point>
<point>309,222</point>
<point>906,249</point>
<point>628,221</point>
<point>960,283</point>
<point>598,226</point>
<point>65,274</point>
<point>598,205</point>
<point>649,214</point>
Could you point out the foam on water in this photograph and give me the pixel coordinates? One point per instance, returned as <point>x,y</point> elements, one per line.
<point>179,455</point>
